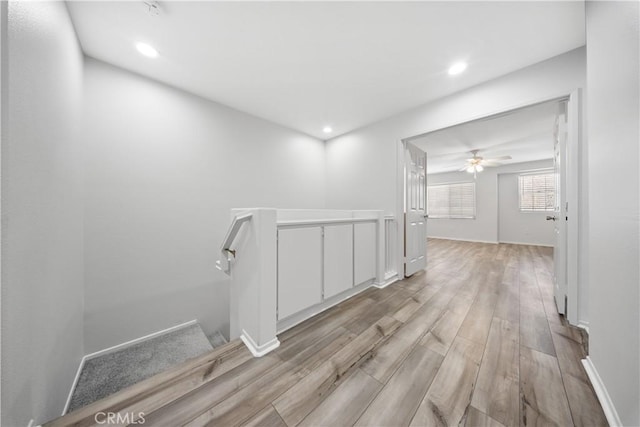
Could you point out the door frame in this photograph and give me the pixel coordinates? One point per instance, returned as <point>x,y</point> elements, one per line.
<point>574,164</point>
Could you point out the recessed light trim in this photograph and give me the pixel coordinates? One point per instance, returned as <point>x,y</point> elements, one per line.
<point>147,50</point>
<point>457,68</point>
<point>327,129</point>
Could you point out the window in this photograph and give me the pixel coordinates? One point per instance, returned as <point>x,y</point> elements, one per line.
<point>537,192</point>
<point>452,200</point>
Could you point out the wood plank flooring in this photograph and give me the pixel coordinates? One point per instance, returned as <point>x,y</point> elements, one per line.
<point>473,340</point>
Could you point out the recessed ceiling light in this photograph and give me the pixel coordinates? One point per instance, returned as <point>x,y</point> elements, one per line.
<point>327,129</point>
<point>146,50</point>
<point>457,68</point>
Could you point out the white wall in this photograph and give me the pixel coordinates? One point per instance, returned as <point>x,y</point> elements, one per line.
<point>484,228</point>
<point>515,226</point>
<point>362,165</point>
<point>613,111</point>
<point>163,169</point>
<point>42,261</point>
<point>498,217</point>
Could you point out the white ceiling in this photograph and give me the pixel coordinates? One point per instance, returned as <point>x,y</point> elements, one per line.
<point>309,64</point>
<point>525,134</point>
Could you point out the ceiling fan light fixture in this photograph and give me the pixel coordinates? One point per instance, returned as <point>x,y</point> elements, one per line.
<point>479,168</point>
<point>471,169</point>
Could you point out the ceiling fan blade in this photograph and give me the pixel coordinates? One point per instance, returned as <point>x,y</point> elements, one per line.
<point>464,168</point>
<point>490,164</point>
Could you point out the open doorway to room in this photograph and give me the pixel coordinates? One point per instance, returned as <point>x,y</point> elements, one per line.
<point>510,178</point>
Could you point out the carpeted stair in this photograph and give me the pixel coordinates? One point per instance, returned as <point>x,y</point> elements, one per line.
<point>109,373</point>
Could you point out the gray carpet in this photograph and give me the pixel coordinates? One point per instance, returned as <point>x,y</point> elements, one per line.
<point>217,339</point>
<point>107,374</point>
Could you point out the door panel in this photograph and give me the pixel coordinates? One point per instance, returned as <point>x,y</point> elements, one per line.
<point>415,209</point>
<point>364,252</point>
<point>299,269</point>
<point>338,259</point>
<point>560,214</point>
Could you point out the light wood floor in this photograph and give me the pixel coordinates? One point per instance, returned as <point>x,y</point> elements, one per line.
<point>473,340</point>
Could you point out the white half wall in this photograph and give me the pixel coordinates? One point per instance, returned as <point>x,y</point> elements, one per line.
<point>42,243</point>
<point>163,170</point>
<point>614,193</point>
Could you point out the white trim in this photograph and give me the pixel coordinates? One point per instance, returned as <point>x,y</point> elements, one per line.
<point>496,112</point>
<point>583,324</point>
<point>400,213</point>
<point>309,312</point>
<point>314,222</point>
<point>463,240</point>
<point>139,340</point>
<point>525,243</point>
<point>387,282</point>
<point>601,391</point>
<point>116,348</point>
<point>258,350</point>
<point>73,385</point>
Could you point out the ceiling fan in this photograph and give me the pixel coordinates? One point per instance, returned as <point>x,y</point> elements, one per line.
<point>478,163</point>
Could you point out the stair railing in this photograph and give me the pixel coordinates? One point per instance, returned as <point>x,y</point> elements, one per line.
<point>224,263</point>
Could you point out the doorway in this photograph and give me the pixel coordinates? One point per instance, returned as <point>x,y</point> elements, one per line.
<point>562,163</point>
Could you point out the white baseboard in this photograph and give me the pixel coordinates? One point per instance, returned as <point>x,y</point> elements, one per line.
<point>73,385</point>
<point>301,316</point>
<point>526,243</point>
<point>583,324</point>
<point>463,240</point>
<point>116,348</point>
<point>258,350</point>
<point>139,340</point>
<point>601,391</point>
<point>387,282</point>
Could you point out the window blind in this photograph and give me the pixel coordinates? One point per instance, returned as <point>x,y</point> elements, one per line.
<point>537,192</point>
<point>452,200</point>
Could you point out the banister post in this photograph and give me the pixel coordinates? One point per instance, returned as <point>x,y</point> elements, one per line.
<point>380,248</point>
<point>254,281</point>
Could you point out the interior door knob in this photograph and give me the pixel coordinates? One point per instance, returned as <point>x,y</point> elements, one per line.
<point>551,218</point>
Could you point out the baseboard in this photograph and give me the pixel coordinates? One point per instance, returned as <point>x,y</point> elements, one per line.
<point>387,282</point>
<point>525,243</point>
<point>583,324</point>
<point>301,316</point>
<point>258,350</point>
<point>601,391</point>
<point>73,385</point>
<point>115,348</point>
<point>463,240</point>
<point>139,340</point>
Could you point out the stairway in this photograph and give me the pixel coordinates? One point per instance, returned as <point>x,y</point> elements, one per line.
<point>107,374</point>
<point>161,389</point>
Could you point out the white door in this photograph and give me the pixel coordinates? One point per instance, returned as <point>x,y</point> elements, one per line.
<point>559,216</point>
<point>415,226</point>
